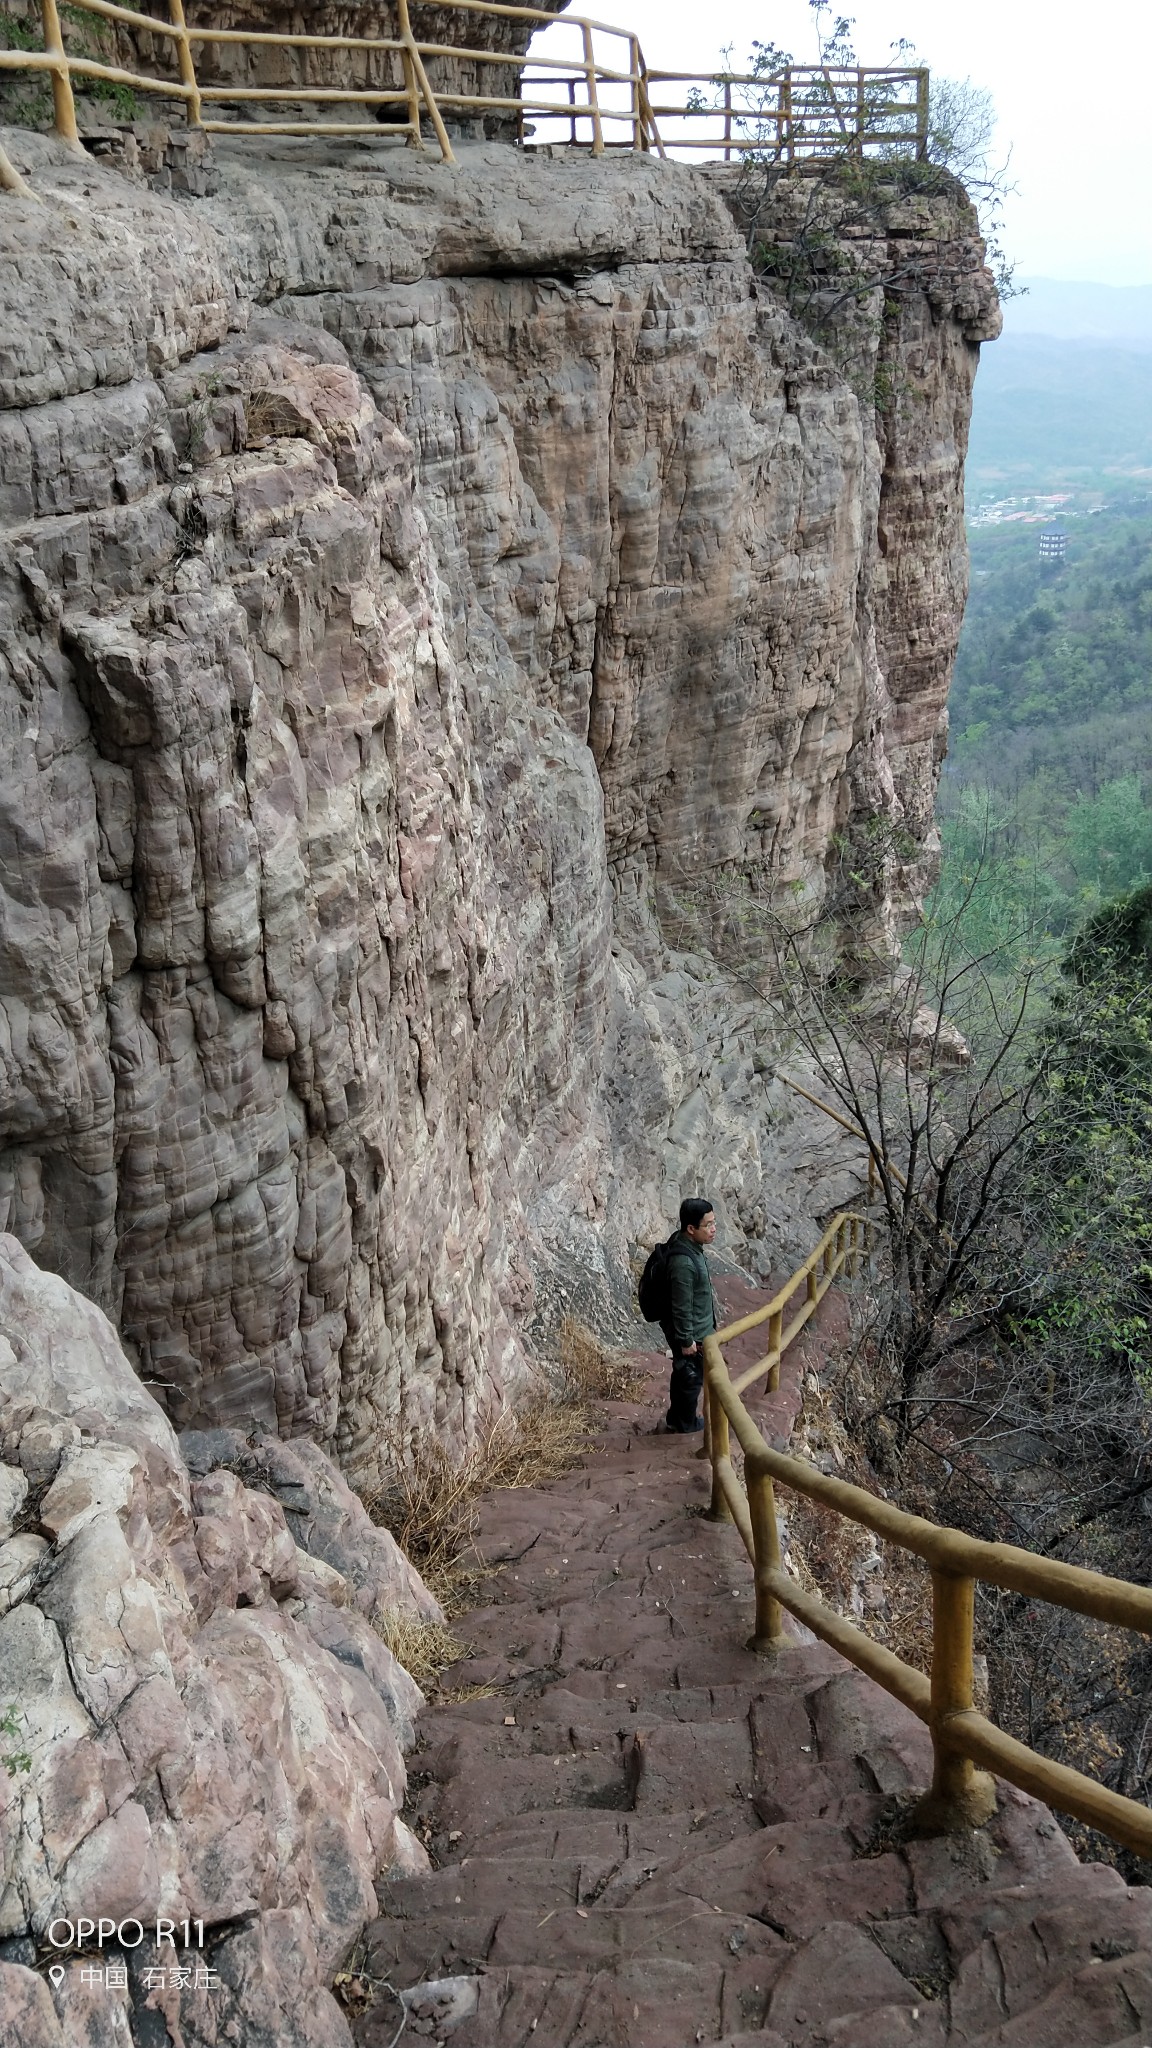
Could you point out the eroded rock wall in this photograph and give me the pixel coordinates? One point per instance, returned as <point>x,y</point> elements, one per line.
<point>417,581</point>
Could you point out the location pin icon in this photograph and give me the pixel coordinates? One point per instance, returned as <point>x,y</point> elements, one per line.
<point>56,1972</point>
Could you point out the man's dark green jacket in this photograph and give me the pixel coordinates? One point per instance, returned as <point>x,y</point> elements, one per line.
<point>691,1312</point>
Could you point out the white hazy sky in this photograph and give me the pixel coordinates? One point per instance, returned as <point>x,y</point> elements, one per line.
<point>1070,85</point>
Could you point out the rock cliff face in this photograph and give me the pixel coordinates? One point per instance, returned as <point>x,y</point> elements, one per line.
<point>200,1722</point>
<point>416,582</point>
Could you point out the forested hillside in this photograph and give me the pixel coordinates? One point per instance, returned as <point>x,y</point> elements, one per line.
<point>1048,781</point>
<point>1065,397</point>
<point>1008,1389</point>
<point>1051,413</point>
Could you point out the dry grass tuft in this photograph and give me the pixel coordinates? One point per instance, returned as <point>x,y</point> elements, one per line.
<point>592,1373</point>
<point>424,1648</point>
<point>268,414</point>
<point>431,1501</point>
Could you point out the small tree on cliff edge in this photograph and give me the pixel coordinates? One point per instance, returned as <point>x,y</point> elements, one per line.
<point>1005,1099</point>
<point>932,1058</point>
<point>807,255</point>
<point>957,1063</point>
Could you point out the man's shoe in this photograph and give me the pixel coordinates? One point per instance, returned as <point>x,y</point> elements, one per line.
<point>697,1423</point>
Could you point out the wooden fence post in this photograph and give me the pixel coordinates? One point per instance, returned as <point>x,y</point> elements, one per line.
<point>775,1332</point>
<point>421,77</point>
<point>961,1796</point>
<point>415,139</point>
<point>718,1440</point>
<point>11,181</point>
<point>769,1630</point>
<point>650,129</point>
<point>593,100</point>
<point>922,115</point>
<point>639,137</point>
<point>187,67</point>
<point>64,105</point>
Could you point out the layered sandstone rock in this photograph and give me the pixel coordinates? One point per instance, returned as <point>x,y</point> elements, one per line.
<point>900,307</point>
<point>202,1723</point>
<point>419,584</point>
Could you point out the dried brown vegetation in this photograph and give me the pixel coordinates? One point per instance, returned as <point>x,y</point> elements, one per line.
<point>593,1373</point>
<point>884,1590</point>
<point>424,1648</point>
<point>431,1500</point>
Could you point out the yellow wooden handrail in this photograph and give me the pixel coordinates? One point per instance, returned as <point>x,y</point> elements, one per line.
<point>790,116</point>
<point>960,1795</point>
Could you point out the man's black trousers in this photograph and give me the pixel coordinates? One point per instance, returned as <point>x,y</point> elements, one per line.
<point>684,1387</point>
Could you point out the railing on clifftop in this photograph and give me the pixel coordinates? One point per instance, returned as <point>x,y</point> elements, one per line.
<point>960,1795</point>
<point>802,113</point>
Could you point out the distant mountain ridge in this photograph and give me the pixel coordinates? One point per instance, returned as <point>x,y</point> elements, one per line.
<point>1064,399</point>
<point>1120,314</point>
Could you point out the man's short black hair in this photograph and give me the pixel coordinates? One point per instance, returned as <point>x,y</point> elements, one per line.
<point>693,1212</point>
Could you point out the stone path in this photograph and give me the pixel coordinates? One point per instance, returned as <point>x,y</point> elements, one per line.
<point>648,1837</point>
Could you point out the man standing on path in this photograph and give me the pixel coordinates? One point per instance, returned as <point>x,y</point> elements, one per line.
<point>691,1312</point>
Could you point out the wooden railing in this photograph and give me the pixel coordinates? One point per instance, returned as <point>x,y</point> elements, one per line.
<point>803,112</point>
<point>816,110</point>
<point>960,1795</point>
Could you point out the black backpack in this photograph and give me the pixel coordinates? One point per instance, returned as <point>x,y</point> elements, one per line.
<point>653,1288</point>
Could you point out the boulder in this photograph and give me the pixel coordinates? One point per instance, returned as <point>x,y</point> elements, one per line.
<point>201,1731</point>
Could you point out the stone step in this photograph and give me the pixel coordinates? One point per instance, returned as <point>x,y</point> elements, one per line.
<point>593,1695</point>
<point>838,1989</point>
<point>795,1877</point>
<point>677,1766</point>
<point>464,1807</point>
<point>661,1842</point>
<point>652,1837</point>
<point>1093,2008</point>
<point>493,1883</point>
<point>1008,1974</point>
<point>645,2002</point>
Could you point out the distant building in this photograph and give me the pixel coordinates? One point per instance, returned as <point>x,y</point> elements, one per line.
<point>1053,547</point>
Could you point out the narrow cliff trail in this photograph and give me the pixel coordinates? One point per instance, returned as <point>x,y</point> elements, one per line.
<point>649,1837</point>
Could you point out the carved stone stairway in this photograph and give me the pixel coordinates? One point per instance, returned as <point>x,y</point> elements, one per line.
<point>648,1837</point>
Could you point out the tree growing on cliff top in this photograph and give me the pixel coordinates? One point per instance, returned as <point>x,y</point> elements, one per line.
<point>808,235</point>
